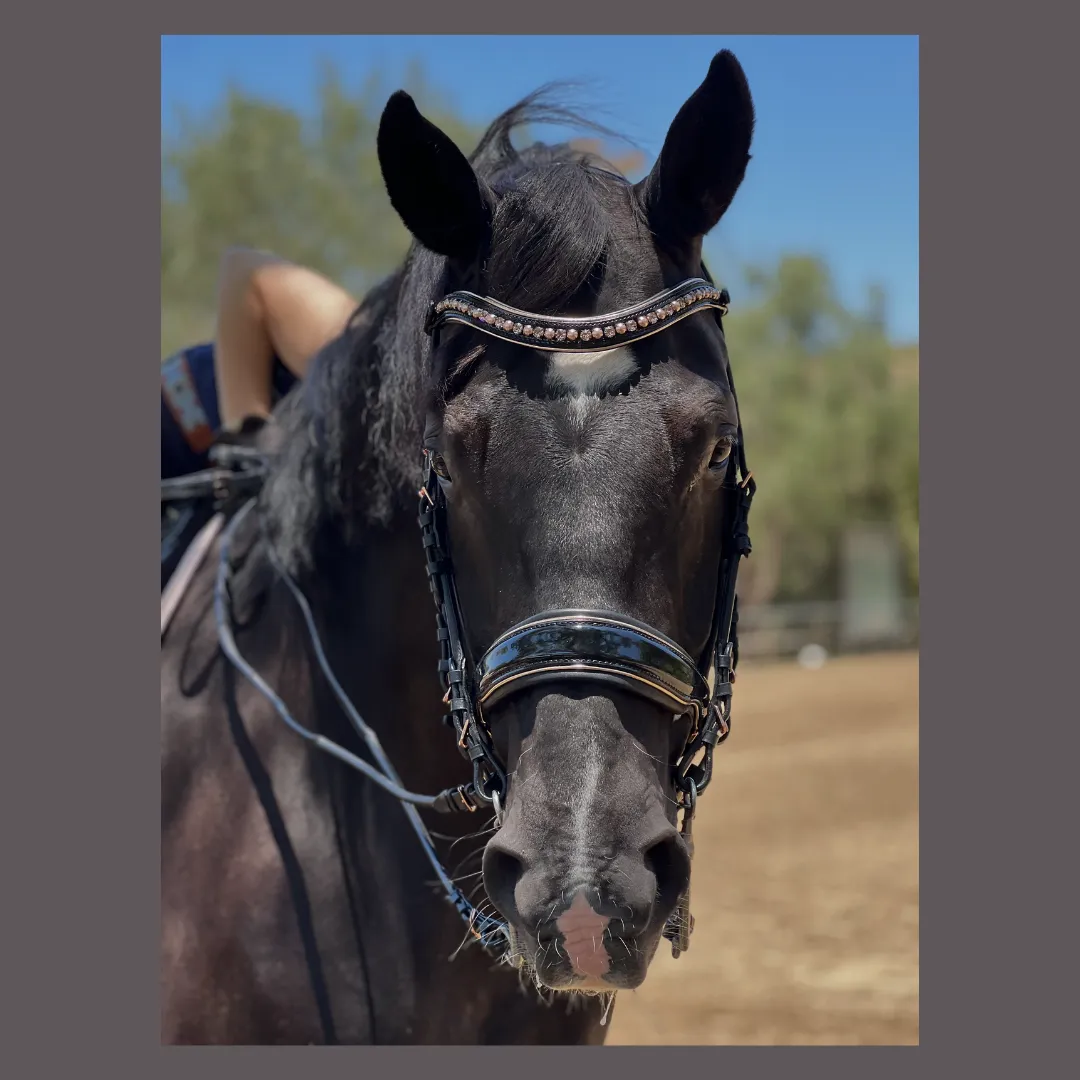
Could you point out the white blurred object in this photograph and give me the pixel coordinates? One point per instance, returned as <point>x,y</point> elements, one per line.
<point>812,657</point>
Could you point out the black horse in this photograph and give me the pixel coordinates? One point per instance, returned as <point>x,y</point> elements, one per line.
<point>549,363</point>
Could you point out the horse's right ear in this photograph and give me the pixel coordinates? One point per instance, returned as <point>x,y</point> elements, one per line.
<point>431,184</point>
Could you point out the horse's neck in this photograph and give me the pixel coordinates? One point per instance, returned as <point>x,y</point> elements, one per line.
<point>382,645</point>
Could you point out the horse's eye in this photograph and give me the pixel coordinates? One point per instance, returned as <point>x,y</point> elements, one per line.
<point>721,453</point>
<point>438,463</point>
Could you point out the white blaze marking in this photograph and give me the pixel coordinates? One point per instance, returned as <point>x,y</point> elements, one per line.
<point>587,373</point>
<point>587,795</point>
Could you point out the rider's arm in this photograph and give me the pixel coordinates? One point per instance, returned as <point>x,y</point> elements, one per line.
<point>266,307</point>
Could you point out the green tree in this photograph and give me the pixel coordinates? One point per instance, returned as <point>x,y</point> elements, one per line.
<point>831,425</point>
<point>259,174</point>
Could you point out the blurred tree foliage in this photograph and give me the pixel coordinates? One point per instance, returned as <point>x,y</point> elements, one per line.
<point>831,416</point>
<point>830,406</point>
<point>258,174</point>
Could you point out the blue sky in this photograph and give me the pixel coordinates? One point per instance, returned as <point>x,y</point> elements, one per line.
<point>835,168</point>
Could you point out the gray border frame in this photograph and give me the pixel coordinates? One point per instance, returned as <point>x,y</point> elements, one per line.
<point>81,969</point>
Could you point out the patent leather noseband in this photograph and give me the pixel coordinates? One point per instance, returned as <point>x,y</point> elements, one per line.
<point>597,647</point>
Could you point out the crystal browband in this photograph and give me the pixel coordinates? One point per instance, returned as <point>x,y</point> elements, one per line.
<point>590,333</point>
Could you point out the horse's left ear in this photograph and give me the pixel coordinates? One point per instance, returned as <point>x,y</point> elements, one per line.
<point>703,159</point>
<point>431,184</point>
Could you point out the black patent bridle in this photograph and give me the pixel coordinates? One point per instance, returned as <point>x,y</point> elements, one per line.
<point>597,646</point>
<point>556,645</point>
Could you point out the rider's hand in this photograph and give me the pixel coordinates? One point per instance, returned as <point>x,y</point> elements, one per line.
<point>246,434</point>
<point>240,449</point>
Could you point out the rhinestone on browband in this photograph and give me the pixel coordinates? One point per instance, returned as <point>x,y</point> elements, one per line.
<point>582,334</point>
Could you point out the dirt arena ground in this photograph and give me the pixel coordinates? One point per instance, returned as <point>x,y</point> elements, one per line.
<point>806,874</point>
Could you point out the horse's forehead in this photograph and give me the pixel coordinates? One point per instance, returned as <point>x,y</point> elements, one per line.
<point>513,385</point>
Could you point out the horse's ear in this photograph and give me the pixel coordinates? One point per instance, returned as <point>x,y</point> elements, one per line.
<point>703,159</point>
<point>431,184</point>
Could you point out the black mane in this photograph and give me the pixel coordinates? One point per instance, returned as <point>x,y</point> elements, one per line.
<point>349,437</point>
<point>556,207</point>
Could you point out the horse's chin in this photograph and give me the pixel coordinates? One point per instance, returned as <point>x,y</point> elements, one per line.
<point>593,985</point>
<point>588,986</point>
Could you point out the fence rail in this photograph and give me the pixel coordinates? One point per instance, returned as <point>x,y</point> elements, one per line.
<point>782,630</point>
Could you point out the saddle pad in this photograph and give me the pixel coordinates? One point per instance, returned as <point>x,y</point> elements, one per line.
<point>182,398</point>
<point>190,561</point>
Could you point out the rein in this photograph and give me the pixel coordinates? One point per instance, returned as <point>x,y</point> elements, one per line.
<point>577,644</point>
<point>487,930</point>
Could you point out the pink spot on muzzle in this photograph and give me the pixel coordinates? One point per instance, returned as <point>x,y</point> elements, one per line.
<point>582,929</point>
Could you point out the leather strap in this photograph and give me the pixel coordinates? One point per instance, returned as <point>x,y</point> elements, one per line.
<point>590,333</point>
<point>596,646</point>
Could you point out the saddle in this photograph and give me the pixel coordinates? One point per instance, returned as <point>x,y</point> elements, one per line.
<point>194,508</point>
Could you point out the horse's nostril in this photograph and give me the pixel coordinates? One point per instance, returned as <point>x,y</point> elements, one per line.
<point>502,871</point>
<point>669,861</point>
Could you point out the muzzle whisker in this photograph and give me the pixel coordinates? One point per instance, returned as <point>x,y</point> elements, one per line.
<point>462,863</point>
<point>651,757</point>
<point>674,802</point>
<point>465,877</point>
<point>475,889</point>
<point>608,1006</point>
<point>469,836</point>
<point>464,941</point>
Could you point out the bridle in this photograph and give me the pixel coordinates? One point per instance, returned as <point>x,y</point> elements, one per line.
<point>598,646</point>
<point>594,646</point>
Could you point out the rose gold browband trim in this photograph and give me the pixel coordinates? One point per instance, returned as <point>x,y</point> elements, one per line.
<point>590,333</point>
